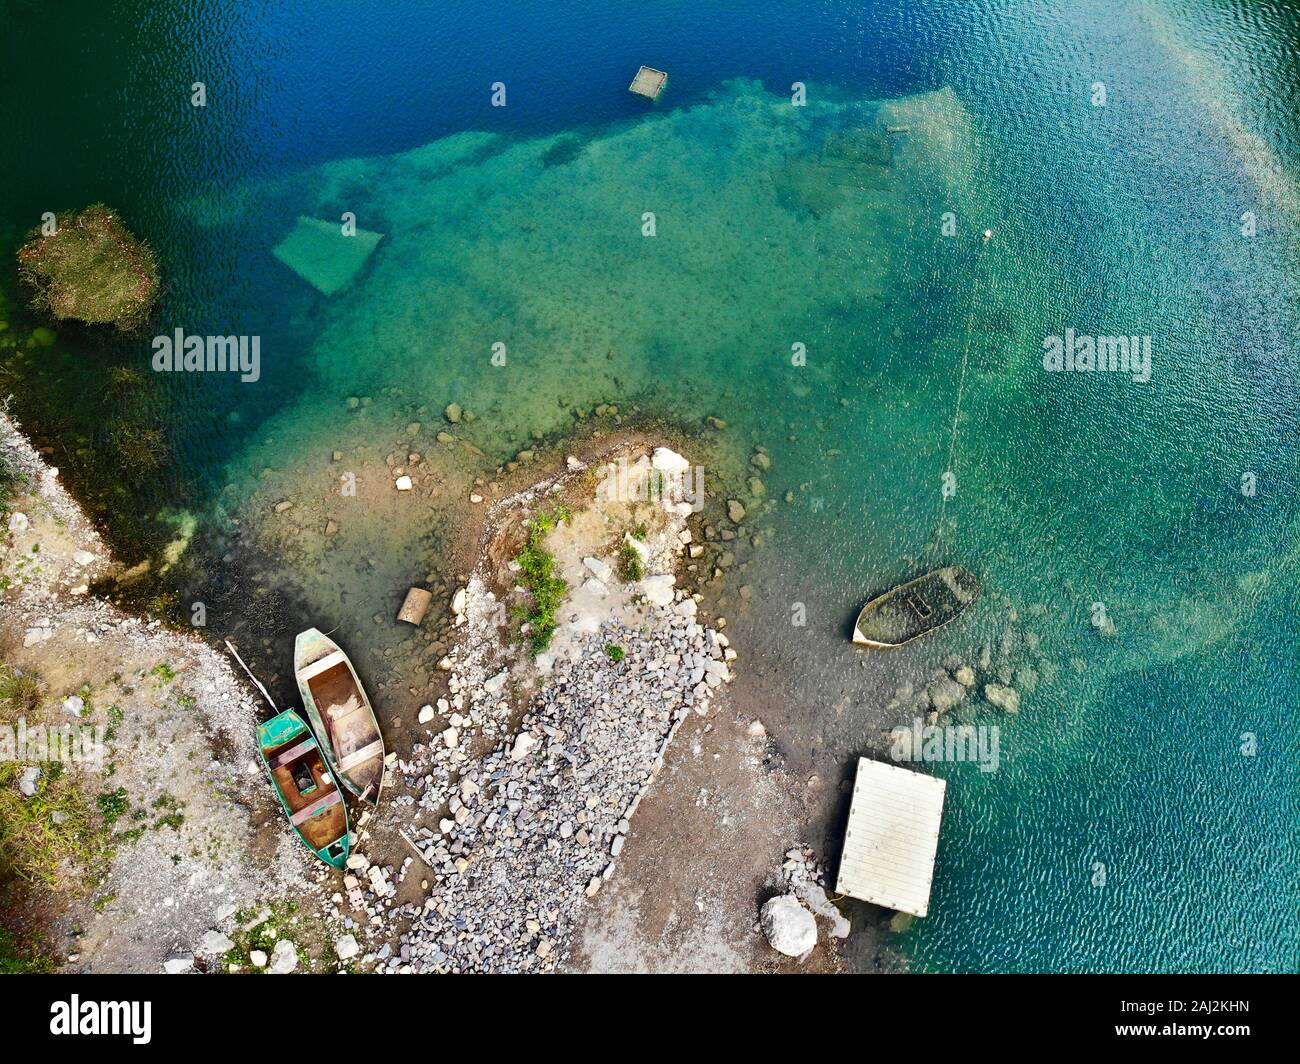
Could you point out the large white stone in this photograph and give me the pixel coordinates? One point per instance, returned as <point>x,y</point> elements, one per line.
<point>658,589</point>
<point>789,927</point>
<point>284,958</point>
<point>669,461</point>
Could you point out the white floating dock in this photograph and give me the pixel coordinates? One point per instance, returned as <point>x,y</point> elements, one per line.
<point>892,837</point>
<point>648,82</point>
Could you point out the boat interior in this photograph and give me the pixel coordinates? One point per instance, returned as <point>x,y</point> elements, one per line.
<point>315,805</point>
<point>352,733</point>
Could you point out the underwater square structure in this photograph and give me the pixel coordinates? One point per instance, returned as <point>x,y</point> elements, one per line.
<point>323,256</point>
<point>649,82</point>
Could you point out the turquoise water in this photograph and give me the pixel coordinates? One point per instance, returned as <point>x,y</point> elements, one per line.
<point>774,226</point>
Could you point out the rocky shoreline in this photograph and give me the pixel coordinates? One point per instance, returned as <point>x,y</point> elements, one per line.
<point>513,839</point>
<point>180,836</point>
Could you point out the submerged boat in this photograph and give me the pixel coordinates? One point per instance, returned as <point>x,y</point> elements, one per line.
<point>306,786</point>
<point>339,710</point>
<point>912,609</point>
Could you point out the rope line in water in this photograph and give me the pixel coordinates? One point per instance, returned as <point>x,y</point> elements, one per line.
<point>961,387</point>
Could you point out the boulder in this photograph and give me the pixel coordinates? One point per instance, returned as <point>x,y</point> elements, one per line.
<point>789,927</point>
<point>346,948</point>
<point>669,461</point>
<point>178,965</point>
<point>284,958</point>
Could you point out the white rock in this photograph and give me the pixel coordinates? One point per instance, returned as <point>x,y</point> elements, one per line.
<point>346,948</point>
<point>215,943</point>
<point>178,965</point>
<point>284,958</point>
<point>595,587</point>
<point>258,957</point>
<point>425,715</point>
<point>458,602</point>
<point>82,557</point>
<point>669,461</point>
<point>789,927</point>
<point>18,522</point>
<point>493,685</point>
<point>27,782</point>
<point>524,743</point>
<point>573,464</point>
<point>658,589</point>
<point>599,568</point>
<point>814,896</point>
<point>450,737</point>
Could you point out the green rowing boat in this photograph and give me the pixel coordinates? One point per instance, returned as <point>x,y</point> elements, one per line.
<point>915,608</point>
<point>308,791</point>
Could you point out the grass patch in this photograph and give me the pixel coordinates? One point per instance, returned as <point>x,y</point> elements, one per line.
<point>163,672</point>
<point>20,693</point>
<point>630,566</point>
<point>91,269</point>
<point>39,835</point>
<point>614,652</point>
<point>537,577</point>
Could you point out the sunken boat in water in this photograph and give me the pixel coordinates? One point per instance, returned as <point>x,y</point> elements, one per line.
<point>915,608</point>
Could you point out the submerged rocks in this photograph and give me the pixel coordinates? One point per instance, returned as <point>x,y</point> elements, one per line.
<point>1005,698</point>
<point>735,510</point>
<point>789,927</point>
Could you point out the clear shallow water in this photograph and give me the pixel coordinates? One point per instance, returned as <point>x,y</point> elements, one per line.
<point>775,225</point>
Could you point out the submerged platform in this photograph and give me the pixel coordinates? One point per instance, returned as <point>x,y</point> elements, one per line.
<point>649,82</point>
<point>321,255</point>
<point>892,837</point>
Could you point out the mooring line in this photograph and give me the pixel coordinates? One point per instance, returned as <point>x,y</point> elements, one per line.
<point>961,388</point>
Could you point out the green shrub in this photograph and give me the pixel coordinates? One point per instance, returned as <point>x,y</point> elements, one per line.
<point>537,577</point>
<point>630,566</point>
<point>615,652</point>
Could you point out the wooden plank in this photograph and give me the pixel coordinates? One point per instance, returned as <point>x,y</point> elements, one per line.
<point>322,665</point>
<point>364,754</point>
<point>292,754</point>
<point>309,811</point>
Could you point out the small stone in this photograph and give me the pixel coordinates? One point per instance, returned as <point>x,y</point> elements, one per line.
<point>178,965</point>
<point>18,522</point>
<point>258,958</point>
<point>346,948</point>
<point>425,715</point>
<point>283,506</point>
<point>27,781</point>
<point>214,943</point>
<point>403,483</point>
<point>453,413</point>
<point>735,511</point>
<point>74,704</point>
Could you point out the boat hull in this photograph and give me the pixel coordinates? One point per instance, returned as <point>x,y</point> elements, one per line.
<point>916,608</point>
<point>341,714</point>
<point>307,788</point>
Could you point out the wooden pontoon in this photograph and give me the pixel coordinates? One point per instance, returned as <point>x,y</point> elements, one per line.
<point>339,710</point>
<point>892,837</point>
<point>307,788</point>
<point>915,608</point>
